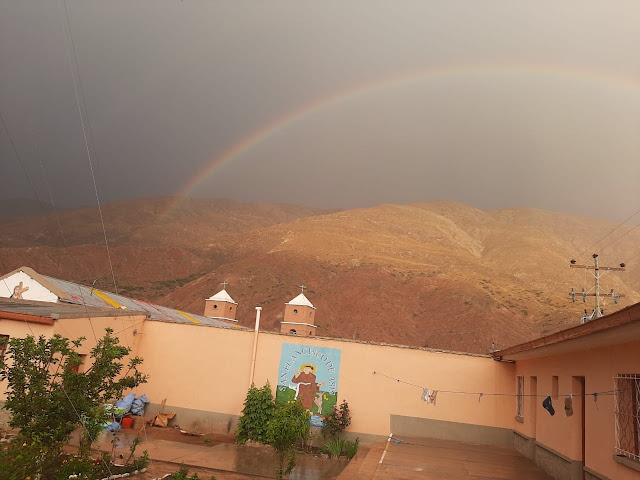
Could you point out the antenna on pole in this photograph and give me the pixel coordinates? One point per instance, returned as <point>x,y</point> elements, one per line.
<point>597,269</point>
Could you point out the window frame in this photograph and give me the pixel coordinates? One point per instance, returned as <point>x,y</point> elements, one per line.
<point>627,415</point>
<point>520,397</point>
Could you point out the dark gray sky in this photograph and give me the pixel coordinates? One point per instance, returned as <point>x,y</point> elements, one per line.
<point>535,104</point>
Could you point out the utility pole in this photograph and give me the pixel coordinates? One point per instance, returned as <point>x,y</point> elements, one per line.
<point>597,275</point>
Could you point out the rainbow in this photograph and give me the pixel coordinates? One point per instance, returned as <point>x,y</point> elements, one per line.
<point>279,124</point>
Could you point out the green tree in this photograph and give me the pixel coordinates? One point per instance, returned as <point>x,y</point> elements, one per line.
<point>48,398</point>
<point>288,425</point>
<point>258,410</point>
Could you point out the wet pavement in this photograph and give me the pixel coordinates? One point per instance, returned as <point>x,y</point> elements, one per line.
<point>431,459</point>
<point>414,458</point>
<point>251,460</point>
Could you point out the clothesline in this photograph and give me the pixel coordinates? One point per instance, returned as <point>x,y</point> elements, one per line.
<point>595,395</point>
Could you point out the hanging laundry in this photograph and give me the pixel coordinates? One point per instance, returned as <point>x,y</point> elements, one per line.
<point>429,395</point>
<point>568,406</point>
<point>546,403</point>
<point>425,394</point>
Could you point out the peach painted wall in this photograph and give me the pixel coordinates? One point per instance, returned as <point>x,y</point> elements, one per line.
<point>563,433</point>
<point>207,368</point>
<point>373,398</point>
<point>197,367</point>
<point>15,328</point>
<point>73,328</point>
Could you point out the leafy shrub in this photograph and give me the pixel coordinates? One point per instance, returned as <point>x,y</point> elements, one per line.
<point>183,474</point>
<point>48,398</point>
<point>351,448</point>
<point>334,446</point>
<point>337,420</point>
<point>288,425</point>
<point>258,410</point>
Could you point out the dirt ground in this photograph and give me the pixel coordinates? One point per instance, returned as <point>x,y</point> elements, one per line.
<point>175,435</point>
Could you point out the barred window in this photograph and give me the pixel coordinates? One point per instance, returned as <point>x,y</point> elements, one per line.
<point>627,405</point>
<point>520,397</point>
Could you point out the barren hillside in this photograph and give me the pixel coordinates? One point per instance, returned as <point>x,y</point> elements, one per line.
<point>436,274</point>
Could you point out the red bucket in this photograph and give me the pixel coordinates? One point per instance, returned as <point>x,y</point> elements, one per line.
<point>127,422</point>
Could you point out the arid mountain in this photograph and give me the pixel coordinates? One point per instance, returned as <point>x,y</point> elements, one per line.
<point>437,274</point>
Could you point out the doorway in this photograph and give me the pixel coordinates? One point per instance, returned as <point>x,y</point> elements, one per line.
<point>578,390</point>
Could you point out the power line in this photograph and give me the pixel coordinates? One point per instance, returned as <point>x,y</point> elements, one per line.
<point>22,165</point>
<point>84,134</point>
<point>635,256</point>
<point>624,234</point>
<point>46,183</point>
<point>610,232</point>
<point>491,394</point>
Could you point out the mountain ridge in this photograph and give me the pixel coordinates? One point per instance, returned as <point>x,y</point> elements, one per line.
<point>440,274</point>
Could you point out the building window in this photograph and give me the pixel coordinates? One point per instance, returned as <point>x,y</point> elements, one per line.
<point>4,344</point>
<point>295,310</point>
<point>293,331</point>
<point>215,306</point>
<point>520,396</point>
<point>627,408</point>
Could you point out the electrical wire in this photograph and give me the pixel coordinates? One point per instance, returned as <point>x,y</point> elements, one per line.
<point>84,134</point>
<point>624,234</point>
<point>610,232</point>
<point>43,172</point>
<point>22,165</point>
<point>483,394</point>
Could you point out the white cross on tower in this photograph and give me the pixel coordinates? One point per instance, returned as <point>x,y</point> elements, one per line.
<point>224,285</point>
<point>302,287</point>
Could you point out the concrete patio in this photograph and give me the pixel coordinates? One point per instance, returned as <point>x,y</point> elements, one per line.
<point>414,458</point>
<point>431,459</point>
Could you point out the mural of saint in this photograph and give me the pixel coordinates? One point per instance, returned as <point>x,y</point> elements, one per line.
<point>309,374</point>
<point>307,386</point>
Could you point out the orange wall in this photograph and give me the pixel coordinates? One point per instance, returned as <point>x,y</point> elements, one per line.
<point>15,328</point>
<point>207,368</point>
<point>197,367</point>
<point>373,398</point>
<point>563,433</point>
<point>74,328</point>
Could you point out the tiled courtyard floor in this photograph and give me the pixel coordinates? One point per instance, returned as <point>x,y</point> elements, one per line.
<point>414,458</point>
<point>430,459</point>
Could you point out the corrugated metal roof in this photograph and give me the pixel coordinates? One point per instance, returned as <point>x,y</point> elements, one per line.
<point>63,310</point>
<point>82,295</point>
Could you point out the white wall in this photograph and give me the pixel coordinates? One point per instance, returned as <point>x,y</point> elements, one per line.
<point>36,290</point>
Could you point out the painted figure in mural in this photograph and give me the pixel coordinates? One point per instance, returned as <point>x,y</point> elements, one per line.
<point>18,290</point>
<point>307,386</point>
